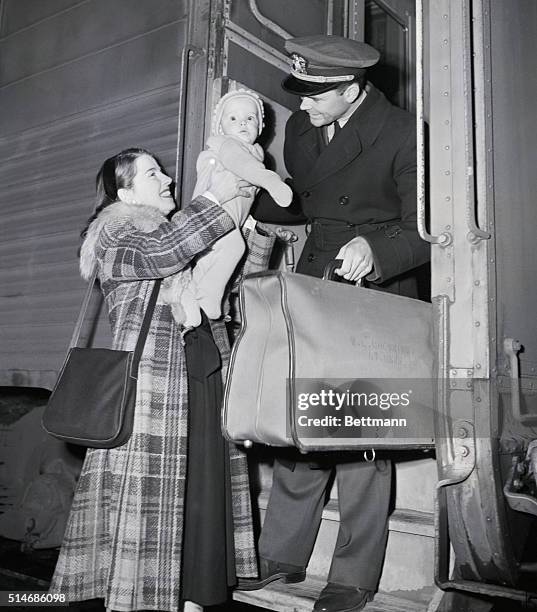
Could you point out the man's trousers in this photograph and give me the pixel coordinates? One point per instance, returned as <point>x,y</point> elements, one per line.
<point>294,515</point>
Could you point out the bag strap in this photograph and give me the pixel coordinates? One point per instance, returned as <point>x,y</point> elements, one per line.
<point>145,323</point>
<point>83,309</point>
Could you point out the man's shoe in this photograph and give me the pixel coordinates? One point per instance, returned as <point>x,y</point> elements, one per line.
<point>269,571</point>
<point>341,598</point>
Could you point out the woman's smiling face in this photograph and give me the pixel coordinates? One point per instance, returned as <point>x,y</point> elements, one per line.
<point>150,186</point>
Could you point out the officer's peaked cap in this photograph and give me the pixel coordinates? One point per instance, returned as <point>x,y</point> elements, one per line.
<point>322,62</point>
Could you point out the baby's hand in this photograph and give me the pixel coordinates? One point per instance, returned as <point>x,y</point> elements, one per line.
<point>282,194</point>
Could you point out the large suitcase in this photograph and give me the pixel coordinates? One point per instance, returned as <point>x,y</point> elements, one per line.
<point>301,336</point>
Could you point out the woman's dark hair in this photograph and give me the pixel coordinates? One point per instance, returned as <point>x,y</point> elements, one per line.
<point>116,173</point>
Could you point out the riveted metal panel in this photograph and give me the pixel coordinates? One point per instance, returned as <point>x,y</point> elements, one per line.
<point>468,275</point>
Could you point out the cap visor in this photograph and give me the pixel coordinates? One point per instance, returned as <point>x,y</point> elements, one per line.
<point>307,88</point>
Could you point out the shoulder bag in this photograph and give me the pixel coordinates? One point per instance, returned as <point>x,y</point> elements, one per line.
<point>92,403</point>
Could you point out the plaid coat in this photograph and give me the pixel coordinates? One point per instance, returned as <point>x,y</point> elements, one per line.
<point>123,539</point>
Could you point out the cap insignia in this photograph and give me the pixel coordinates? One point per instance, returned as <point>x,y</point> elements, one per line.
<point>299,63</point>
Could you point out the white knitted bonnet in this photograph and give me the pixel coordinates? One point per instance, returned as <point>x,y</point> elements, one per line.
<point>239,93</point>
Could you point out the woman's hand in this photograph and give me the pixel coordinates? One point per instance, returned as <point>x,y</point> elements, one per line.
<point>225,185</point>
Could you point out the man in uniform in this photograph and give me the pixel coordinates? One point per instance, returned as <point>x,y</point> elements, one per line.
<point>351,156</point>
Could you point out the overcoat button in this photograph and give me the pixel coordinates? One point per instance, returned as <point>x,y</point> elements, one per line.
<point>311,257</point>
<point>306,194</point>
<point>344,200</point>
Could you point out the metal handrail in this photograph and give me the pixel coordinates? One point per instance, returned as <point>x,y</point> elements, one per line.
<point>330,17</point>
<point>445,238</point>
<point>255,45</point>
<point>475,232</point>
<point>268,23</point>
<point>189,52</point>
<point>391,12</point>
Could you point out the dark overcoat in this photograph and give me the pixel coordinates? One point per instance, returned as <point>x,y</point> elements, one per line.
<point>362,183</point>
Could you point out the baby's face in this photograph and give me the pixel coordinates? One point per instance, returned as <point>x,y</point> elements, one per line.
<point>240,119</point>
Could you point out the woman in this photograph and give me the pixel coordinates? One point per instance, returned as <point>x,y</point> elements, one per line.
<point>165,518</point>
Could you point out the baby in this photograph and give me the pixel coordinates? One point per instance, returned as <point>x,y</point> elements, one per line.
<point>237,122</point>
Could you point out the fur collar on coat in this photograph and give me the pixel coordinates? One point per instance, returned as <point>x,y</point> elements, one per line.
<point>146,219</point>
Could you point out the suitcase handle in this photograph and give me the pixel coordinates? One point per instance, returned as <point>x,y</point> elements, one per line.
<point>330,268</point>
